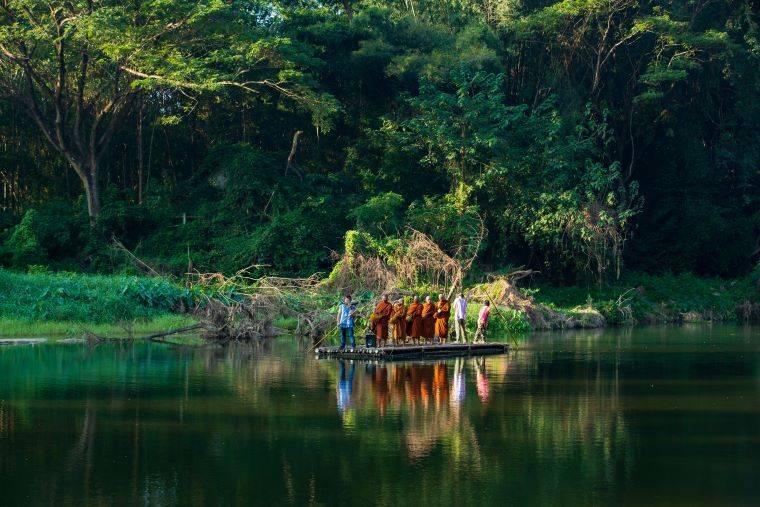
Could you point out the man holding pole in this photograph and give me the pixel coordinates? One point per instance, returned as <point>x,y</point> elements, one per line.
<point>485,311</point>
<point>345,322</point>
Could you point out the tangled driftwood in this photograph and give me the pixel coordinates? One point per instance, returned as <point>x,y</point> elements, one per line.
<point>245,308</point>
<point>418,260</point>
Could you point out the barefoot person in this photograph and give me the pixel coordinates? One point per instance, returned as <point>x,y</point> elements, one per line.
<point>428,320</point>
<point>414,320</point>
<point>480,334</point>
<point>460,315</point>
<point>442,314</point>
<point>382,316</point>
<point>398,321</point>
<point>345,321</point>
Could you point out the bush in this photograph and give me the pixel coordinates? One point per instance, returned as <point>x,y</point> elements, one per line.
<point>381,215</point>
<point>50,235</point>
<point>24,246</point>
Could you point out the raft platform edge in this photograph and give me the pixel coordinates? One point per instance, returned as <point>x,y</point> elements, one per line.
<point>414,351</point>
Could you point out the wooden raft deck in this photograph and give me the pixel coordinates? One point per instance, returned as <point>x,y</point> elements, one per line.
<point>414,351</point>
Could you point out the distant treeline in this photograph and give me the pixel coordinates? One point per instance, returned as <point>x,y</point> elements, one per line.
<point>587,136</point>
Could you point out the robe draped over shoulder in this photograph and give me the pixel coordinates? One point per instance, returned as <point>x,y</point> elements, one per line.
<point>428,320</point>
<point>442,314</point>
<point>383,313</point>
<point>414,327</point>
<point>399,321</point>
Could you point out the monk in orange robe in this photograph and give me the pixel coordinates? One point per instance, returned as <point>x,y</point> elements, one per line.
<point>442,314</point>
<point>398,321</point>
<point>414,320</point>
<point>428,320</point>
<point>383,315</point>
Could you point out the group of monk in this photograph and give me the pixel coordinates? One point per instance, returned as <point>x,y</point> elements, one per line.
<point>420,322</point>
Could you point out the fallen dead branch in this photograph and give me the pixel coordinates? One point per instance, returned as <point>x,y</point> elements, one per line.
<point>133,258</point>
<point>151,337</point>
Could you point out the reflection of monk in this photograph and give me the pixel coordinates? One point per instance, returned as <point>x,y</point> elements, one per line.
<point>428,320</point>
<point>440,384</point>
<point>383,315</point>
<point>414,320</point>
<point>442,314</point>
<point>381,388</point>
<point>398,320</point>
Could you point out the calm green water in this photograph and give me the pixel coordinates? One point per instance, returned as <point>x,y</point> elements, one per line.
<point>652,416</point>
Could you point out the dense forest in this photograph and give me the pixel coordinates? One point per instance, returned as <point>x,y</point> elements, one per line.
<point>587,137</point>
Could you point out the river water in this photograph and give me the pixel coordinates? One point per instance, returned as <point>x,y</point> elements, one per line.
<point>647,416</point>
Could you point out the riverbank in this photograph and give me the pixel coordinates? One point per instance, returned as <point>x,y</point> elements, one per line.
<point>646,299</point>
<point>74,304</point>
<point>11,327</point>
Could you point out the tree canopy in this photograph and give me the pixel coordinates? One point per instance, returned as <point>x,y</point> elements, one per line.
<point>586,136</point>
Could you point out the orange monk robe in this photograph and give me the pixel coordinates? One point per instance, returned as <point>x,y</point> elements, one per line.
<point>414,327</point>
<point>383,313</point>
<point>399,321</point>
<point>428,321</point>
<point>442,314</point>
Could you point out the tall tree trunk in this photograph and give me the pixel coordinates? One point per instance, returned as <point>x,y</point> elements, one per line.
<point>349,11</point>
<point>140,154</point>
<point>88,175</point>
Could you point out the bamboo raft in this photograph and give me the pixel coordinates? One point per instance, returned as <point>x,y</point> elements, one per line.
<point>414,351</point>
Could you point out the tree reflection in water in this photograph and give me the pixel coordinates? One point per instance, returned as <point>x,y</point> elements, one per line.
<point>570,417</point>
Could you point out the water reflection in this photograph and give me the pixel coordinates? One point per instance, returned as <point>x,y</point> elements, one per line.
<point>6,420</point>
<point>424,399</point>
<point>557,422</point>
<point>345,386</point>
<point>481,378</point>
<point>427,386</point>
<point>583,418</point>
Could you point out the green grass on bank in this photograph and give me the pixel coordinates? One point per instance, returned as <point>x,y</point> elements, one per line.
<point>640,297</point>
<point>93,299</point>
<point>42,303</point>
<point>10,327</point>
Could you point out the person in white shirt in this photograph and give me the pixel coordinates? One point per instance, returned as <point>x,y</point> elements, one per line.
<point>482,322</point>
<point>460,314</point>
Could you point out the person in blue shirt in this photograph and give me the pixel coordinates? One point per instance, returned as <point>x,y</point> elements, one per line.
<point>345,321</point>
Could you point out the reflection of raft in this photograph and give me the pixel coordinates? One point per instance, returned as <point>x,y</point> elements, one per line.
<point>415,351</point>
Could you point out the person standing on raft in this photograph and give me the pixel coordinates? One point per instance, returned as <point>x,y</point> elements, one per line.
<point>382,316</point>
<point>428,320</point>
<point>346,313</point>
<point>398,321</point>
<point>442,314</point>
<point>480,334</point>
<point>414,320</point>
<point>460,315</point>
